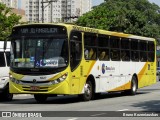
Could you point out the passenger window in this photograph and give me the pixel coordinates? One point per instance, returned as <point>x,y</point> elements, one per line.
<point>134,44</point>
<point>125,55</point>
<point>125,44</point>
<point>115,48</point>
<point>135,56</point>
<point>103,48</point>
<point>103,54</point>
<point>125,49</point>
<point>115,54</point>
<point>134,50</point>
<point>115,42</point>
<point>143,50</point>
<point>151,51</point>
<point>90,46</point>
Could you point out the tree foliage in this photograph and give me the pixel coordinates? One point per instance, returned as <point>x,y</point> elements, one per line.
<point>7,21</point>
<point>139,17</point>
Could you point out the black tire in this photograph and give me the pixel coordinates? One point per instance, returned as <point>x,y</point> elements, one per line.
<point>40,98</point>
<point>6,95</point>
<point>134,86</point>
<point>88,91</point>
<point>133,89</point>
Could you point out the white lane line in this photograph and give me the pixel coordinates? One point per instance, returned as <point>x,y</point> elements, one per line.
<point>123,110</point>
<point>72,119</point>
<point>98,114</point>
<point>21,95</point>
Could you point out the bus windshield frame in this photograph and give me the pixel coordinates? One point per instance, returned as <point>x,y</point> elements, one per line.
<point>39,53</point>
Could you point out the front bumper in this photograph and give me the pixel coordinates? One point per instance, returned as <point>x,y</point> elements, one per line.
<point>61,88</point>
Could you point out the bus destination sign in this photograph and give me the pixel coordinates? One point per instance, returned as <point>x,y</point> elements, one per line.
<point>31,30</point>
<point>39,30</point>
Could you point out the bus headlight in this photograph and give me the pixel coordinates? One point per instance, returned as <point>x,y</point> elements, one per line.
<point>13,79</point>
<point>60,79</point>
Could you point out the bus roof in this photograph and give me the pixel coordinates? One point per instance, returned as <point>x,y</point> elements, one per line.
<point>93,30</point>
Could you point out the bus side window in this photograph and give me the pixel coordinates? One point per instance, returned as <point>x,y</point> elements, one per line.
<point>90,50</point>
<point>102,55</point>
<point>103,47</point>
<point>135,50</point>
<point>115,48</point>
<point>75,49</point>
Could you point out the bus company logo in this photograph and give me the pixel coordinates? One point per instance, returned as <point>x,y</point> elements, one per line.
<point>6,114</point>
<point>110,68</point>
<point>34,81</point>
<point>103,68</point>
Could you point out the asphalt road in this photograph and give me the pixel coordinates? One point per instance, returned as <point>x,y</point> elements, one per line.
<point>112,106</point>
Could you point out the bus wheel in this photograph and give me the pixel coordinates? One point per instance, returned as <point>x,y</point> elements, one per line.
<point>88,91</point>
<point>40,98</point>
<point>6,95</point>
<point>134,85</point>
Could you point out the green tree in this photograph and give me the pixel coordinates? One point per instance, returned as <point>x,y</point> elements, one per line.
<point>138,17</point>
<point>7,21</point>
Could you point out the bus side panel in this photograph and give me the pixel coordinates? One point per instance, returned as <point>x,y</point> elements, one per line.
<point>141,68</point>
<point>147,75</point>
<point>89,67</point>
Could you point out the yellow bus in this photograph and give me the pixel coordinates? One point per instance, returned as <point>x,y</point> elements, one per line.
<point>64,59</point>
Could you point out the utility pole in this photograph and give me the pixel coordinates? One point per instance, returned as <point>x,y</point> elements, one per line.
<point>42,11</point>
<point>66,10</point>
<point>51,12</point>
<point>43,7</point>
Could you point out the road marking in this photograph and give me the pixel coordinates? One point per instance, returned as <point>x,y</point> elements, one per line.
<point>123,110</point>
<point>98,114</point>
<point>72,119</point>
<point>22,95</point>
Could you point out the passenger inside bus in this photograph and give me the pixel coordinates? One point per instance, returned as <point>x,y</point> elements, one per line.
<point>102,55</point>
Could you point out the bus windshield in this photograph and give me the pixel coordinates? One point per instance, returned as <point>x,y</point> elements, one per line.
<point>39,52</point>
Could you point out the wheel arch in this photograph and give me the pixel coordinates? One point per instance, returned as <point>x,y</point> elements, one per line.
<point>92,79</point>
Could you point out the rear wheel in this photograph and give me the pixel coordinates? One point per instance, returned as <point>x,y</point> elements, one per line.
<point>133,89</point>
<point>88,91</point>
<point>134,86</point>
<point>40,98</point>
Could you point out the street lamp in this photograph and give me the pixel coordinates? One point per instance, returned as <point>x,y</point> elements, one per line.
<point>49,2</point>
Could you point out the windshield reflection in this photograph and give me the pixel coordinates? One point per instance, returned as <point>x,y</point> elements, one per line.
<point>39,53</point>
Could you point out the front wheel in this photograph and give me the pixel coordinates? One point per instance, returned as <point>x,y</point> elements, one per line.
<point>40,98</point>
<point>88,91</point>
<point>6,95</point>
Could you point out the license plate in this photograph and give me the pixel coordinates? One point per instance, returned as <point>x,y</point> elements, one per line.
<point>35,88</point>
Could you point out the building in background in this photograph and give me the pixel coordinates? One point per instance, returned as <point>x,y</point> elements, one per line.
<point>21,13</point>
<point>55,10</point>
<point>10,3</point>
<point>13,4</point>
<point>85,7</point>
